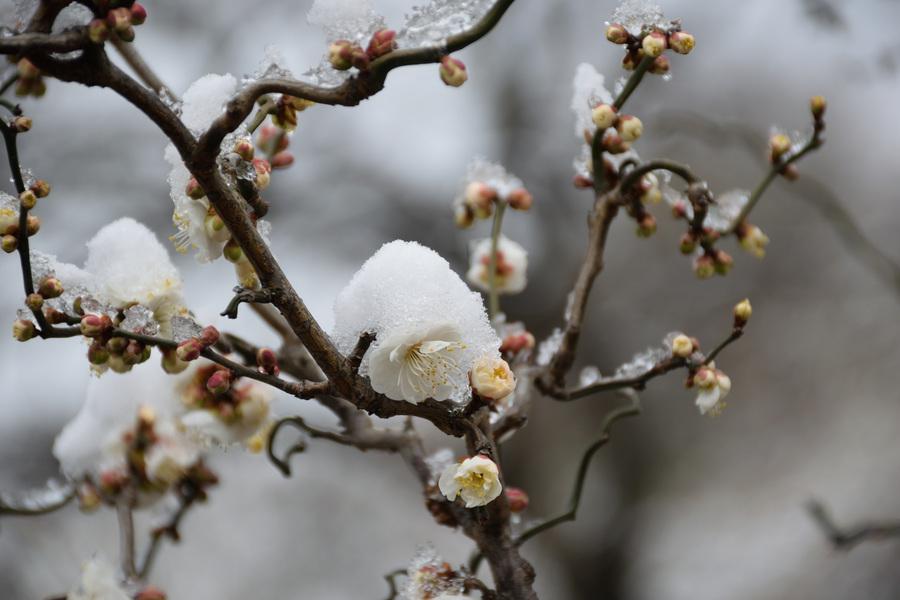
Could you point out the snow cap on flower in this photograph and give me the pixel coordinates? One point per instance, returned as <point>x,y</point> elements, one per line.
<point>429,326</point>
<point>98,582</point>
<point>512,264</point>
<point>476,480</point>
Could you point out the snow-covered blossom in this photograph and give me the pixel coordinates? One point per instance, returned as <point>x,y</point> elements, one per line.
<point>232,417</point>
<point>476,480</point>
<point>712,387</point>
<point>427,323</point>
<point>492,378</point>
<point>429,577</point>
<point>416,364</point>
<point>98,582</point>
<point>172,454</point>
<point>485,184</point>
<point>512,263</point>
<point>130,266</point>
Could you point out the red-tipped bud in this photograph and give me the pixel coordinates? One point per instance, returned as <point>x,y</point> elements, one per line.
<point>688,243</point>
<point>219,382</point>
<point>97,353</point>
<point>244,148</point>
<point>23,330</point>
<point>654,44</point>
<point>519,199</point>
<point>98,31</point>
<point>138,14</point>
<point>515,343</point>
<point>53,316</point>
<point>647,225</point>
<point>111,481</point>
<point>517,498</point>
<point>27,199</point>
<point>40,188</point>
<point>267,361</point>
<point>616,33</point>
<point>193,189</point>
<point>51,287</point>
<point>134,353</point>
<point>340,54</point>
<point>95,325</point>
<point>660,65</point>
<point>189,350</point>
<point>22,123</point>
<point>119,19</point>
<point>282,160</point>
<point>681,42</point>
<point>480,197</point>
<point>383,41</point>
<point>453,71</point>
<point>209,336</point>
<point>723,262</point>
<point>613,143</point>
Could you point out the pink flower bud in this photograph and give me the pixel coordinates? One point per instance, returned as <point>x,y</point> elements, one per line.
<point>613,143</point>
<point>189,350</point>
<point>519,199</point>
<point>267,361</point>
<point>282,160</point>
<point>617,34</point>
<point>480,197</point>
<point>244,148</point>
<point>219,382</point>
<point>119,19</point>
<point>681,42</point>
<point>111,481</point>
<point>383,41</point>
<point>134,353</point>
<point>138,14</point>
<point>23,330</point>
<point>27,199</point>
<point>517,498</point>
<point>98,31</point>
<point>453,71</point>
<point>50,287</point>
<point>151,593</point>
<point>193,189</point>
<point>40,188</point>
<point>209,336</point>
<point>93,326</point>
<point>340,54</point>
<point>513,344</point>
<point>654,44</point>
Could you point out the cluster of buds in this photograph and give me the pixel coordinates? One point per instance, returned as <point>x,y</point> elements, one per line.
<point>713,261</point>
<point>618,131</point>
<point>119,21</point>
<point>453,71</point>
<point>30,81</point>
<point>190,349</point>
<point>213,387</point>
<point>650,44</point>
<point>479,199</point>
<point>344,54</point>
<point>286,109</point>
<point>108,350</point>
<point>9,217</point>
<point>273,142</point>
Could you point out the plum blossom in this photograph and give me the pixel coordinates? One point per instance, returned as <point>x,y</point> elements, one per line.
<point>512,263</point>
<point>98,582</point>
<point>476,480</point>
<point>712,385</point>
<point>492,378</point>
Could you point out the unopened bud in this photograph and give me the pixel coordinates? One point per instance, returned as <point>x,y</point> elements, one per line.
<point>517,498</point>
<point>209,336</point>
<point>151,593</point>
<point>742,312</point>
<point>629,127</point>
<point>515,343</point>
<point>681,42</point>
<point>97,353</point>
<point>682,346</point>
<point>193,189</point>
<point>688,243</point>
<point>170,362</point>
<point>134,353</point>
<point>216,229</point>
<point>263,170</point>
<point>660,65</point>
<point>790,172</point>
<point>95,325</point>
<point>232,251</point>
<point>219,382</point>
<point>654,44</point>
<point>9,243</point>
<point>480,197</point>
<point>244,148</point>
<point>616,33</point>
<point>705,378</point>
<point>40,188</point>
<point>98,31</point>
<point>117,364</point>
<point>282,160</point>
<point>27,199</point>
<point>22,123</point>
<point>32,225</point>
<point>603,116</point>
<point>613,143</point>
<point>779,144</point>
<point>53,316</point>
<point>88,497</point>
<point>117,345</point>
<point>34,301</point>
<point>453,71</point>
<point>267,361</point>
<point>340,54</point>
<point>23,330</point>
<point>119,19</point>
<point>704,267</point>
<point>723,262</point>
<point>138,14</point>
<point>51,287</point>
<point>519,199</point>
<point>189,350</point>
<point>463,215</point>
<point>817,106</point>
<point>383,41</point>
<point>647,225</point>
<point>27,70</point>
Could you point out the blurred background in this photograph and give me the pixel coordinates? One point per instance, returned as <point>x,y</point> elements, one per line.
<point>677,506</point>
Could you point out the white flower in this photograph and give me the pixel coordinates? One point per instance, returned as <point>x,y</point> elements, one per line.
<point>712,387</point>
<point>512,262</point>
<point>172,454</point>
<point>413,365</point>
<point>492,378</point>
<point>130,266</point>
<point>406,295</point>
<point>98,582</point>
<point>476,480</point>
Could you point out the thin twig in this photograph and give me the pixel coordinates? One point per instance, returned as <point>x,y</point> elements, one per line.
<point>137,63</point>
<point>493,297</point>
<point>241,295</point>
<point>847,539</point>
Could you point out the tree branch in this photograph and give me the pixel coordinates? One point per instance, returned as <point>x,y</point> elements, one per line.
<point>847,539</point>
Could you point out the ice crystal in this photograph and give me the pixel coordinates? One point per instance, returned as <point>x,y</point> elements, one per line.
<point>185,327</point>
<point>139,319</point>
<point>432,23</point>
<point>721,215</point>
<point>270,67</point>
<point>642,362</point>
<point>589,376</point>
<point>638,15</point>
<point>354,20</point>
<point>548,347</point>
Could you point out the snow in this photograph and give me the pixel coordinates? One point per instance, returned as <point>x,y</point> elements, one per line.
<point>493,175</point>
<point>548,347</point>
<point>354,20</point>
<point>588,90</point>
<point>98,582</point>
<point>406,286</point>
<point>636,15</point>
<point>432,23</point>
<point>205,100</point>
